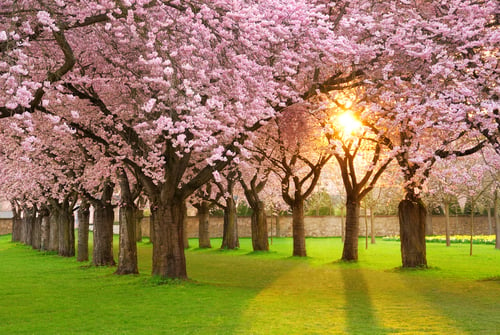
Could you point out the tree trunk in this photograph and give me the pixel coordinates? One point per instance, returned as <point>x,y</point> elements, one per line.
<point>152,218</point>
<point>350,251</point>
<point>36,233</point>
<point>490,221</point>
<point>259,228</point>
<point>103,234</point>
<point>472,225</point>
<point>168,244</point>
<point>496,214</point>
<point>412,218</point>
<point>45,238</point>
<point>230,230</point>
<point>342,225</point>
<point>83,232</point>
<point>446,206</point>
<point>366,228</point>
<point>54,230</point>
<point>203,224</point>
<point>139,215</point>
<point>184,226</point>
<point>16,223</point>
<point>298,229</point>
<point>372,226</point>
<point>278,226</point>
<point>428,225</point>
<point>66,225</point>
<point>127,256</point>
<point>27,226</point>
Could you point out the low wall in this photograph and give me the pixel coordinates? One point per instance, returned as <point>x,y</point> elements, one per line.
<point>321,226</point>
<point>5,226</point>
<point>324,226</point>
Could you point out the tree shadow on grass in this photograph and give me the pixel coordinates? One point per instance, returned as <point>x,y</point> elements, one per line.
<point>467,306</point>
<point>360,312</point>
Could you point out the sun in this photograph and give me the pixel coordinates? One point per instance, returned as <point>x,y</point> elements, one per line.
<point>348,123</point>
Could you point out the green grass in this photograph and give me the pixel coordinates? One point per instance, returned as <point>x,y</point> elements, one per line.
<point>241,292</point>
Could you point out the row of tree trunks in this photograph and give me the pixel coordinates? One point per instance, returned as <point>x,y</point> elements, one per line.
<point>46,229</point>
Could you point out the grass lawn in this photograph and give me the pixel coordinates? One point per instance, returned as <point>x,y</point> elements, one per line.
<point>240,292</point>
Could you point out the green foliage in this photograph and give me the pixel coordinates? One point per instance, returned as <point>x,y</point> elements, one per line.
<point>243,209</point>
<point>319,203</point>
<point>216,211</point>
<point>241,292</point>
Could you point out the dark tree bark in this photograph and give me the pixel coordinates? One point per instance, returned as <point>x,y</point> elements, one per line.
<point>230,230</point>
<point>83,231</point>
<point>103,228</point>
<point>184,226</point>
<point>36,233</point>
<point>66,228</point>
<point>372,226</point>
<point>260,238</point>
<point>127,257</point>
<point>446,206</point>
<point>16,223</point>
<point>54,230</point>
<point>412,212</point>
<point>412,218</point>
<point>152,217</point>
<point>45,228</point>
<point>203,223</point>
<point>278,226</point>
<point>496,204</point>
<point>168,252</point>
<point>299,233</point>
<point>27,226</point>
<point>139,215</point>
<point>350,251</point>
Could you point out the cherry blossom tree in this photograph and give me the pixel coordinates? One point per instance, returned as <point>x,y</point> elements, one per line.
<point>359,153</point>
<point>431,74</point>
<point>171,89</point>
<point>297,160</point>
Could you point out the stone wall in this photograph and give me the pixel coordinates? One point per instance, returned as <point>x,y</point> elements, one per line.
<point>321,226</point>
<point>324,226</point>
<point>5,226</point>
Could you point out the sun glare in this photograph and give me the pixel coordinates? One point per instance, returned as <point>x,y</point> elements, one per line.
<point>348,123</point>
